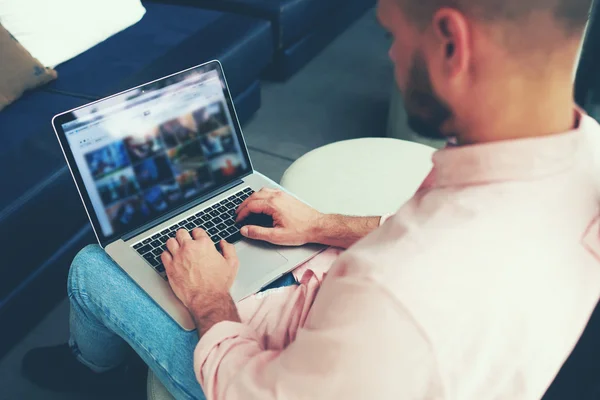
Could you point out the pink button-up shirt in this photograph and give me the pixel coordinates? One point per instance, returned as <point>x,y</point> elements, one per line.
<point>477,288</point>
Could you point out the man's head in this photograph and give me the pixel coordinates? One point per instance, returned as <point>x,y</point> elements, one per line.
<point>456,60</point>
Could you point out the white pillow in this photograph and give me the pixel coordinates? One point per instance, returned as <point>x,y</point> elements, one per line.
<point>54,31</point>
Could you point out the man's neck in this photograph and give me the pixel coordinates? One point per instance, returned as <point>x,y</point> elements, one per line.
<point>529,112</point>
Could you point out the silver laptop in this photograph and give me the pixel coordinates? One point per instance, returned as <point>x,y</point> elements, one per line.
<point>164,156</point>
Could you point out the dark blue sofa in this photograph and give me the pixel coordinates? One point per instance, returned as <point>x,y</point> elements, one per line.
<point>42,222</point>
<point>301,28</point>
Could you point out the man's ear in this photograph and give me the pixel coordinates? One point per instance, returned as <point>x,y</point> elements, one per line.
<point>452,34</point>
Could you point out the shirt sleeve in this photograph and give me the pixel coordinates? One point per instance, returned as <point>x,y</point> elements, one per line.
<point>357,343</point>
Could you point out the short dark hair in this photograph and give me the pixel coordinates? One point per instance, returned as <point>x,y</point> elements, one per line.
<point>571,14</point>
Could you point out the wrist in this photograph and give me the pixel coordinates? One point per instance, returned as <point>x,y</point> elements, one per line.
<point>209,309</point>
<point>322,228</point>
<point>343,231</point>
<point>206,303</point>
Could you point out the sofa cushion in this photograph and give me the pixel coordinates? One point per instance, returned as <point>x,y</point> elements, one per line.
<point>292,19</point>
<point>29,150</point>
<point>31,114</point>
<point>35,177</point>
<point>170,38</point>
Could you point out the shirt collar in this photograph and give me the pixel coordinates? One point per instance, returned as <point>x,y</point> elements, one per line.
<point>520,159</point>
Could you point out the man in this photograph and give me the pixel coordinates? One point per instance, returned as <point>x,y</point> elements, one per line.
<point>478,288</point>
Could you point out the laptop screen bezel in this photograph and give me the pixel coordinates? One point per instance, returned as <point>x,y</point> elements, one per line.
<point>68,116</point>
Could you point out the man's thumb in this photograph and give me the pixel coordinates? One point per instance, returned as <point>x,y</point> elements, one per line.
<point>256,232</point>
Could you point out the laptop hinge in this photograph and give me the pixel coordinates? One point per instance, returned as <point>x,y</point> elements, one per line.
<point>180,210</point>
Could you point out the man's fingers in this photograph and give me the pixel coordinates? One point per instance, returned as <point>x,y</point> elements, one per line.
<point>253,197</point>
<point>255,207</point>
<point>259,233</point>
<point>262,194</point>
<point>166,259</point>
<point>182,235</point>
<point>229,253</point>
<point>172,245</point>
<point>198,233</point>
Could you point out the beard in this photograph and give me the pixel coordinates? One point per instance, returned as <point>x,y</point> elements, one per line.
<point>426,112</point>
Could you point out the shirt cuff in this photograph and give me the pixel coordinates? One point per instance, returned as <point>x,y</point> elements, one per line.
<point>384,218</point>
<point>216,335</point>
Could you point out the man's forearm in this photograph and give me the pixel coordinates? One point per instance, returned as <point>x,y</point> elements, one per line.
<point>213,309</point>
<point>343,231</point>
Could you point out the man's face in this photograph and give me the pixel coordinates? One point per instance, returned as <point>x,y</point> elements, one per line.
<point>426,111</point>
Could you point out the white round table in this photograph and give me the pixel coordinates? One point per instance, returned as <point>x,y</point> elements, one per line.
<point>369,176</point>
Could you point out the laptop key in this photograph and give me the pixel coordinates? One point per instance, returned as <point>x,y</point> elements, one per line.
<point>217,220</point>
<point>231,212</point>
<point>237,201</point>
<point>160,268</point>
<point>229,221</point>
<point>232,230</point>
<point>229,205</point>
<point>137,246</point>
<point>214,213</point>
<point>213,231</point>
<point>216,239</point>
<point>209,224</point>
<point>158,251</point>
<point>147,241</point>
<point>230,198</point>
<point>223,202</point>
<point>221,226</point>
<point>244,196</point>
<point>206,217</point>
<point>190,225</point>
<point>144,249</point>
<point>151,259</point>
<point>156,243</point>
<point>164,232</point>
<point>222,209</point>
<point>156,236</point>
<point>236,237</point>
<point>248,190</point>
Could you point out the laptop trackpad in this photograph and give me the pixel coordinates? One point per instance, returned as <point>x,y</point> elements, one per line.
<point>257,261</point>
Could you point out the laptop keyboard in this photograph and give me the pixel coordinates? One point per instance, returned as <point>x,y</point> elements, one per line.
<point>217,220</point>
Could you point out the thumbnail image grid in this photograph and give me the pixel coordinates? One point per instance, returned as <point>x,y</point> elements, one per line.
<point>144,175</point>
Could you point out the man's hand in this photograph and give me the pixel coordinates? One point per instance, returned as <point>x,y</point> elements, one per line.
<point>201,277</point>
<point>294,223</point>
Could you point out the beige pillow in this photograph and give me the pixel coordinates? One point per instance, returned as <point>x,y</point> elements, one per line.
<point>19,71</point>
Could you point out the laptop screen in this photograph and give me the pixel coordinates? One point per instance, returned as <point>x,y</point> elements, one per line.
<point>149,150</point>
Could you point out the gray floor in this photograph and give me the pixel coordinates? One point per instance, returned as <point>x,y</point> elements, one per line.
<point>342,94</point>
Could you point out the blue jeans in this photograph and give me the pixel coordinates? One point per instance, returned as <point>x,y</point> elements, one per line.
<point>110,314</point>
